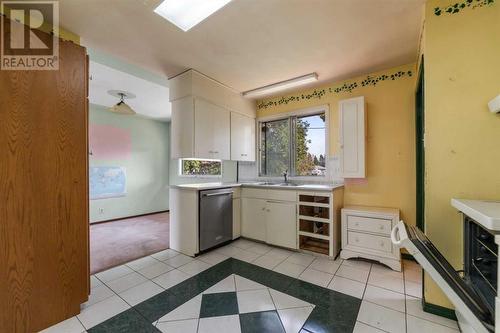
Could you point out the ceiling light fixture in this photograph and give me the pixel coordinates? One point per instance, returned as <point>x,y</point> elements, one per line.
<point>280,86</point>
<point>121,107</point>
<point>185,14</point>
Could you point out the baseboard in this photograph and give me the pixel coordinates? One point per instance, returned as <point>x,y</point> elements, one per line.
<point>438,310</point>
<point>130,217</point>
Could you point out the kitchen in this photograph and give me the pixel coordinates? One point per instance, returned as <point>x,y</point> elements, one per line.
<point>318,168</point>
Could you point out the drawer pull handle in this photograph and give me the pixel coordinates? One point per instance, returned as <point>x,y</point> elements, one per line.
<point>381,227</point>
<point>382,244</point>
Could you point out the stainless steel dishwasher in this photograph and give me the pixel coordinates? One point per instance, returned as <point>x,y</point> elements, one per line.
<point>216,217</point>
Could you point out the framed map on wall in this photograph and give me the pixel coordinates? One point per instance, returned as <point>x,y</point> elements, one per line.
<point>107,182</point>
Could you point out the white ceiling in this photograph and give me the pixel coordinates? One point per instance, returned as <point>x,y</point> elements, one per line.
<point>252,43</point>
<point>152,100</point>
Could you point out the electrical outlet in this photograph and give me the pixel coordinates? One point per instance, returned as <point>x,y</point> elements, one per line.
<point>101,210</point>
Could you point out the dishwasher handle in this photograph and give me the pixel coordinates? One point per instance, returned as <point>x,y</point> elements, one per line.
<point>217,193</point>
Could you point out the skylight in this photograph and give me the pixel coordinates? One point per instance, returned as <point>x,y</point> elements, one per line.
<point>185,14</point>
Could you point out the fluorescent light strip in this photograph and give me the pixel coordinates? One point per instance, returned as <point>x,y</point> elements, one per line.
<point>275,87</point>
<point>185,14</point>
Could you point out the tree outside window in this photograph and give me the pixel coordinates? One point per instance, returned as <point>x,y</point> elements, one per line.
<point>197,167</point>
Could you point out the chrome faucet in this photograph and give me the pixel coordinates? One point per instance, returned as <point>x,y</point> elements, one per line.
<point>285,174</point>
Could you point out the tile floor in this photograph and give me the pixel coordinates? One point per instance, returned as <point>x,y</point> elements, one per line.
<point>388,301</point>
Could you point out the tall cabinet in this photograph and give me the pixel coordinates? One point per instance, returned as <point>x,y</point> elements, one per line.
<point>44,225</point>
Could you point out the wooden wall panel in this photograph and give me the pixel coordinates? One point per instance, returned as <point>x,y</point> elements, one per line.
<point>44,227</point>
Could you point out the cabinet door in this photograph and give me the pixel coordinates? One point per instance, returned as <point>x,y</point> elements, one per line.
<point>212,131</point>
<point>281,223</point>
<point>182,128</point>
<point>253,217</point>
<point>236,218</point>
<point>352,137</point>
<point>242,138</point>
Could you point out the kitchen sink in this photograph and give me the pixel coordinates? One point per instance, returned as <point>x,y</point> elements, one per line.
<point>277,184</point>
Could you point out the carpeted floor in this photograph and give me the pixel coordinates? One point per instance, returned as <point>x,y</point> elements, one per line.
<point>117,242</point>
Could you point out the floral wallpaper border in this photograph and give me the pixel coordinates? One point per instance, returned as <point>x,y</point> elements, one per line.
<point>346,87</point>
<point>457,7</point>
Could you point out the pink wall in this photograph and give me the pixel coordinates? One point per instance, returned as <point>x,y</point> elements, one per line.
<point>109,142</point>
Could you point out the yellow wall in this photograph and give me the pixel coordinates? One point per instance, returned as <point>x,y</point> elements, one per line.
<point>390,139</point>
<point>462,73</point>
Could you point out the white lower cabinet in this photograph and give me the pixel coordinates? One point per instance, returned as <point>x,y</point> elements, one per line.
<point>253,218</point>
<point>281,229</point>
<point>236,218</point>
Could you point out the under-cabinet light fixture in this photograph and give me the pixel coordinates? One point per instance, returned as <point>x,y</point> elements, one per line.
<point>283,85</point>
<point>185,14</point>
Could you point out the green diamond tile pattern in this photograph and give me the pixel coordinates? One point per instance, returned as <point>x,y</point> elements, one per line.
<point>272,302</point>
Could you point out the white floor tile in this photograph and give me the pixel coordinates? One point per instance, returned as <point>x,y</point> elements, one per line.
<point>413,289</point>
<point>194,267</point>
<point>289,269</point>
<point>363,328</point>
<point>280,253</point>
<point>99,312</point>
<point>284,301</point>
<point>386,271</point>
<point>326,265</point>
<point>224,286</point>
<point>141,292</point>
<point>171,278</point>
<point>268,261</point>
<point>260,248</point>
<point>155,270</point>
<point>71,325</point>
<point>126,282</point>
<point>347,286</point>
<point>212,258</point>
<point>414,308</point>
<point>94,282</point>
<point>353,273</point>
<point>301,259</point>
<point>316,277</point>
<point>254,301</point>
<point>226,324</point>
<point>142,263</point>
<point>114,273</point>
<point>294,319</point>
<point>357,263</point>
<point>228,250</point>
<point>98,294</point>
<point>389,299</point>
<point>247,256</point>
<point>243,244</point>
<point>388,282</point>
<point>418,325</point>
<point>178,260</point>
<point>382,318</point>
<point>165,254</point>
<point>243,284</point>
<point>181,326</point>
<point>189,310</point>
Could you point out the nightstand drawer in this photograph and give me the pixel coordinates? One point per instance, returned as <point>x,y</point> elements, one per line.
<point>376,243</point>
<point>369,224</point>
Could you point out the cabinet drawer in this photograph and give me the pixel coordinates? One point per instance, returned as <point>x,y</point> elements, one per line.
<point>282,195</point>
<point>376,243</point>
<point>369,224</point>
<point>253,193</point>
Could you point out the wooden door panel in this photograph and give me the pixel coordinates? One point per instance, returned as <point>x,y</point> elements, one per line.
<point>43,193</point>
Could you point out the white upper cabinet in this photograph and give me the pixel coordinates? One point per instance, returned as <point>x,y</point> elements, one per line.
<point>242,138</point>
<point>212,131</point>
<point>352,123</point>
<point>201,120</point>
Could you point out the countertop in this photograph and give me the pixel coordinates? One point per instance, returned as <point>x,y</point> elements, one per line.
<point>301,187</point>
<point>486,213</point>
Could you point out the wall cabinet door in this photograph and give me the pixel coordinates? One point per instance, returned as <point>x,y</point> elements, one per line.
<point>242,138</point>
<point>352,137</point>
<point>236,218</point>
<point>281,223</point>
<point>253,218</point>
<point>212,131</point>
<point>182,128</point>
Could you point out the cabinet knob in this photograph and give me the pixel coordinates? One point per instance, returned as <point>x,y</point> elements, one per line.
<point>381,227</point>
<point>268,210</point>
<point>381,244</point>
<point>263,208</point>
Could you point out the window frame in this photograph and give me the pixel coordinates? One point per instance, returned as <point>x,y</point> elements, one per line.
<point>181,174</point>
<point>287,115</point>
